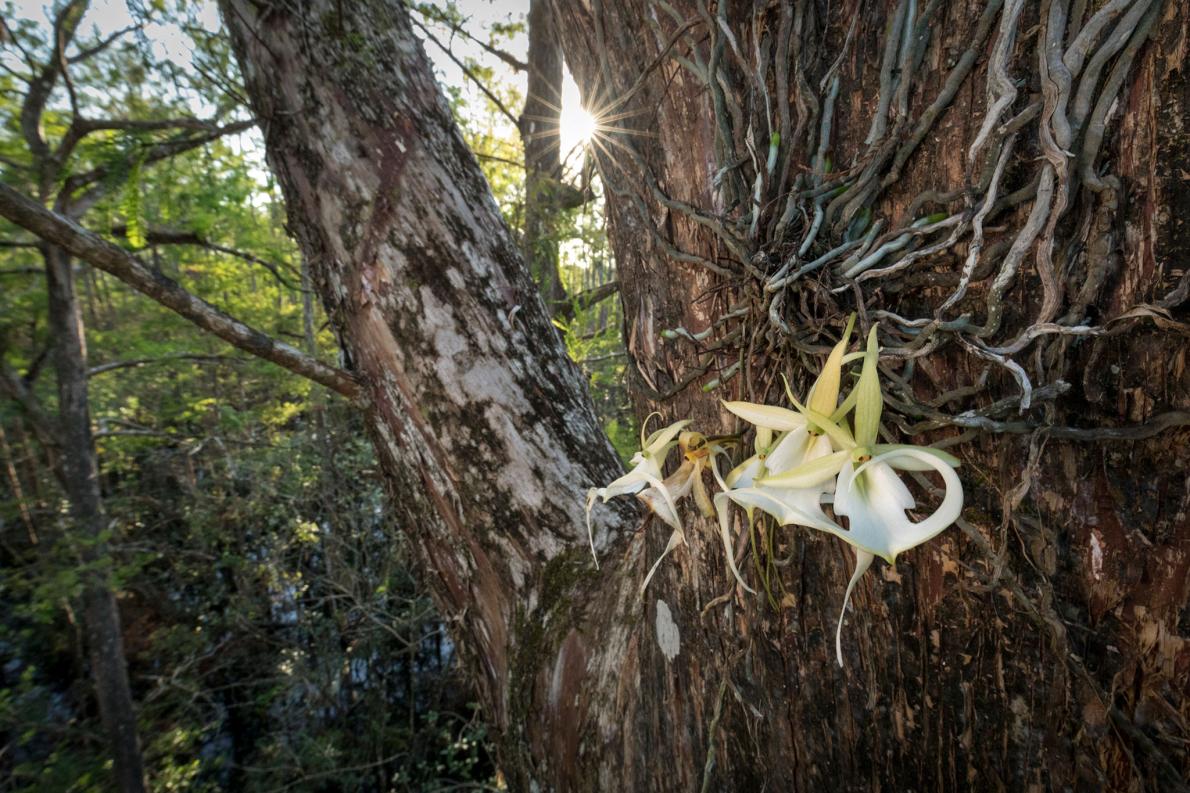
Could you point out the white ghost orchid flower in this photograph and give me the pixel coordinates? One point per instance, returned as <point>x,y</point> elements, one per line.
<point>789,480</point>
<point>800,468</point>
<point>645,472</point>
<point>698,452</point>
<point>874,499</point>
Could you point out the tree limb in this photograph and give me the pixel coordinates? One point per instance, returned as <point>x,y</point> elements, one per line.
<point>508,58</point>
<point>93,249</point>
<point>167,237</point>
<point>469,73</point>
<point>100,46</point>
<point>65,24</point>
<point>568,309</point>
<point>156,153</point>
<point>136,363</point>
<point>82,127</point>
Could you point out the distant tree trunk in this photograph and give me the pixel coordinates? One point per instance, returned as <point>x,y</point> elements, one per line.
<point>80,468</point>
<point>1038,645</point>
<point>79,465</point>
<point>540,133</point>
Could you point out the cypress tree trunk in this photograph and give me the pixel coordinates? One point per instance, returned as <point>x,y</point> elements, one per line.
<point>543,155</point>
<point>1037,645</point>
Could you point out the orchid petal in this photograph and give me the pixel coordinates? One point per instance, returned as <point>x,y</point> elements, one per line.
<point>788,506</point>
<point>700,493</point>
<point>874,499</point>
<point>824,394</point>
<point>661,438</point>
<point>645,425</point>
<point>675,539</point>
<point>789,452</point>
<point>743,474</point>
<point>912,463</point>
<point>675,487</point>
<point>863,560</point>
<point>632,482</point>
<point>808,474</point>
<point>770,416</point>
<point>908,534</point>
<point>845,406</point>
<point>722,507</point>
<point>868,522</point>
<point>837,431</point>
<point>715,455</point>
<point>869,400</point>
<point>646,470</point>
<point>764,440</point>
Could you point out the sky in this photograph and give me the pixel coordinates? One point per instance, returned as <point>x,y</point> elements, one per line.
<point>167,41</point>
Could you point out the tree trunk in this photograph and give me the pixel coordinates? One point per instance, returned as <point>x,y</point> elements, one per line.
<point>80,469</point>
<point>1036,646</point>
<point>541,134</point>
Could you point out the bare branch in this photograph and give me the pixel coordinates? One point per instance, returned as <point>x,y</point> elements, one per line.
<point>166,237</point>
<point>469,73</point>
<point>507,57</point>
<point>492,157</point>
<point>136,363</point>
<point>65,24</point>
<point>568,309</point>
<point>98,252</point>
<point>11,36</point>
<point>100,46</point>
<point>82,127</point>
<point>156,153</point>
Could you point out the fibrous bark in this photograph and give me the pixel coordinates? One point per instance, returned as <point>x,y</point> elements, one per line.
<point>1061,238</point>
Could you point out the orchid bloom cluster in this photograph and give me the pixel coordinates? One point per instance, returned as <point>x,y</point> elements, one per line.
<point>804,459</point>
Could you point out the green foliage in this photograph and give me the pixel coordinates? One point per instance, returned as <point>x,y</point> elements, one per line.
<point>133,207</point>
<point>275,635</point>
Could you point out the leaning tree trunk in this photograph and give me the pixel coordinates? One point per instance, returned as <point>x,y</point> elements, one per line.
<point>1028,320</point>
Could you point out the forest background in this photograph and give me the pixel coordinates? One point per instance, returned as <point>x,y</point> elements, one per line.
<point>275,637</point>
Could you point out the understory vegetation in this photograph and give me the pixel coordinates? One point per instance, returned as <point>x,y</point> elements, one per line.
<point>276,636</point>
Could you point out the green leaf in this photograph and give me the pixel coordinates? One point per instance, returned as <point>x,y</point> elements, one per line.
<point>132,206</point>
